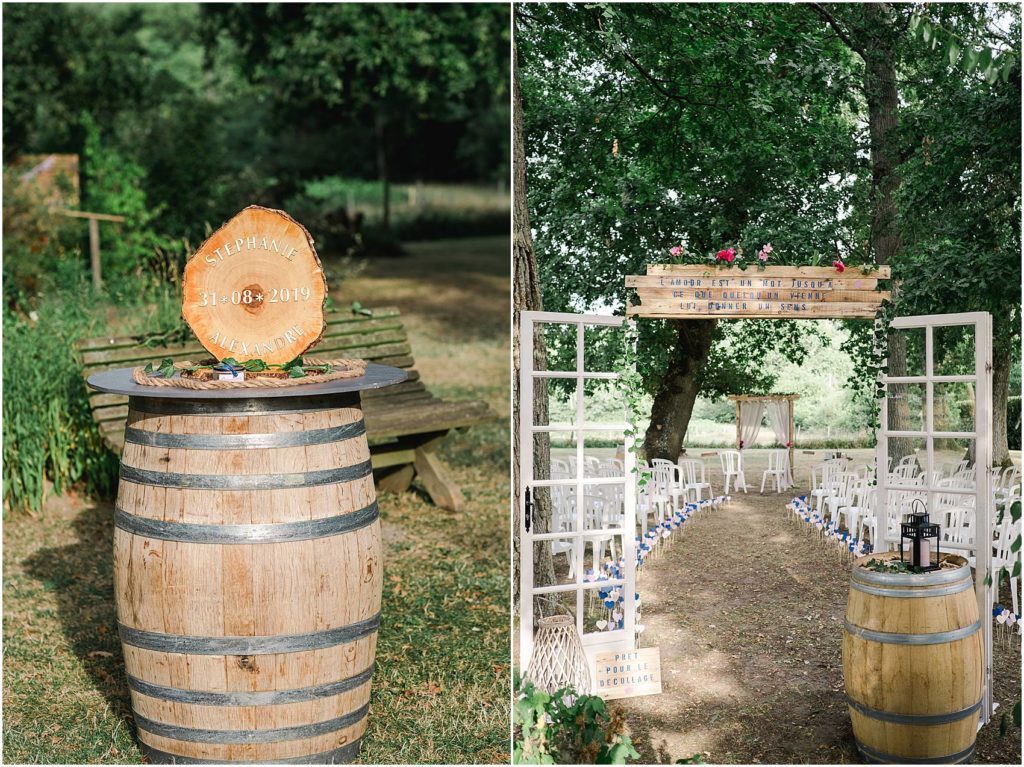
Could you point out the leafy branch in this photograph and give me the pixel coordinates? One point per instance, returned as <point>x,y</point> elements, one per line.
<point>989,62</point>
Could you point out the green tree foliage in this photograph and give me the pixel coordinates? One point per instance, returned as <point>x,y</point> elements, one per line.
<point>653,125</point>
<point>649,126</point>
<point>223,105</point>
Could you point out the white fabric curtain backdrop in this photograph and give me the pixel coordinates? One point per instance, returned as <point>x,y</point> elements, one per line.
<point>751,414</point>
<point>778,418</point>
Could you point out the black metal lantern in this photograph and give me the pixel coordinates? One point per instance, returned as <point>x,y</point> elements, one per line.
<point>924,539</point>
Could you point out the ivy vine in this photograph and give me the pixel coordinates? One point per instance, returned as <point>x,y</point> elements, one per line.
<point>294,369</point>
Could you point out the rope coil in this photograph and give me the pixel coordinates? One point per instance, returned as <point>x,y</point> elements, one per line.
<point>340,368</point>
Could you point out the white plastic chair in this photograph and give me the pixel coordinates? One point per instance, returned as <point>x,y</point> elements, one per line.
<point>672,480</point>
<point>695,478</point>
<point>732,468</point>
<point>856,494</point>
<point>824,487</point>
<point>1002,555</point>
<point>778,469</point>
<point>842,494</point>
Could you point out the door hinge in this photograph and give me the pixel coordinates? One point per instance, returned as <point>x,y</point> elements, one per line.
<point>528,511</point>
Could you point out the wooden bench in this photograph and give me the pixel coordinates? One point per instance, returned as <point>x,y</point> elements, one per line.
<point>405,423</point>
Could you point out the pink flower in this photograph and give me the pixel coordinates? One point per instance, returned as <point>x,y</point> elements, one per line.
<point>676,250</point>
<point>767,248</point>
<point>840,267</point>
<point>762,254</point>
<point>727,255</point>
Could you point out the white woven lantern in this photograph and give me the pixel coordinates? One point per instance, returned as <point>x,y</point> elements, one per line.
<point>558,660</point>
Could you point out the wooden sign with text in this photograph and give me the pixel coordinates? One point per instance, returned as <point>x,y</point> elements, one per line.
<point>255,289</point>
<point>776,292</point>
<point>628,674</point>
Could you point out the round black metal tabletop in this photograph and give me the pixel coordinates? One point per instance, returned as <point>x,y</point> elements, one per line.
<point>119,381</point>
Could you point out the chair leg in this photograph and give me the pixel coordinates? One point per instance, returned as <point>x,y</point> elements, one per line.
<point>764,476</point>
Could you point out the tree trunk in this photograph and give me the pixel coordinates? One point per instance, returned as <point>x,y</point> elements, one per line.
<point>380,126</point>
<point>673,402</point>
<point>878,49</point>
<point>526,296</point>
<point>1001,363</point>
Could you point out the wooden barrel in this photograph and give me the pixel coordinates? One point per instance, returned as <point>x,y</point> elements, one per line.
<point>912,663</point>
<point>248,577</point>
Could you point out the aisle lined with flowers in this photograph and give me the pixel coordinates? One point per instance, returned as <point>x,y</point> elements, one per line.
<point>746,604</point>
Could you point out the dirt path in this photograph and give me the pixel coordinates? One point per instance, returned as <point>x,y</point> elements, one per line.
<point>748,611</point>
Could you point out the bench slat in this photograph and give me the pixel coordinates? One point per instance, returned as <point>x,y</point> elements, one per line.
<point>106,358</point>
<point>339,322</point>
<point>435,416</point>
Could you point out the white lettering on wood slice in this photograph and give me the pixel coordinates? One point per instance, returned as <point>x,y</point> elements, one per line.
<point>255,289</point>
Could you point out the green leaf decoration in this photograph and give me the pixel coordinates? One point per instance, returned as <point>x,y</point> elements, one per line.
<point>984,58</point>
<point>953,52</point>
<point>148,369</point>
<point>357,308</point>
<point>1016,570</point>
<point>971,60</point>
<point>1008,64</point>
<point>1015,511</point>
<point>296,371</point>
<point>166,368</point>
<point>231,361</point>
<point>1015,546</point>
<point>254,366</point>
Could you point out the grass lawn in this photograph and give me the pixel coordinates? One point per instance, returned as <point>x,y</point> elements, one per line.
<point>441,688</point>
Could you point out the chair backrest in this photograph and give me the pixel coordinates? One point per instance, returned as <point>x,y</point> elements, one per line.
<point>845,484</point>
<point>777,460</point>
<point>831,470</point>
<point>693,470</point>
<point>595,511</point>
<point>732,461</point>
<point>1010,478</point>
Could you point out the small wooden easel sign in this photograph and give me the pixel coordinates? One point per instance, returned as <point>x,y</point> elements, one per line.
<point>628,674</point>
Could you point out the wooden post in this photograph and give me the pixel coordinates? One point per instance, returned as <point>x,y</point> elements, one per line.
<point>792,466</point>
<point>94,253</point>
<point>94,238</point>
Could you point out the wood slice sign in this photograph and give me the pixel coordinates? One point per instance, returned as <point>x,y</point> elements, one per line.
<point>255,289</point>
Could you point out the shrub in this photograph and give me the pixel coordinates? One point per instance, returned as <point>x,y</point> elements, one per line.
<point>566,728</point>
<point>49,434</point>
